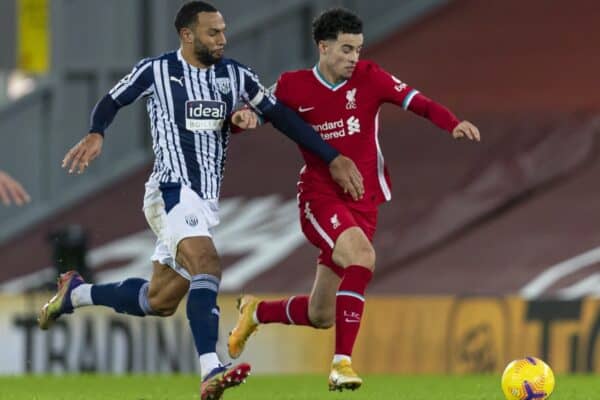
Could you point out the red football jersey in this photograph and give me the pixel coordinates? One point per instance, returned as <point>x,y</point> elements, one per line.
<point>347,117</point>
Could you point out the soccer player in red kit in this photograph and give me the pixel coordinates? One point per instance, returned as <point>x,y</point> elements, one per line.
<point>340,97</point>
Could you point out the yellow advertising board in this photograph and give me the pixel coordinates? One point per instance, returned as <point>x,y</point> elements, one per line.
<point>407,335</point>
<point>33,38</point>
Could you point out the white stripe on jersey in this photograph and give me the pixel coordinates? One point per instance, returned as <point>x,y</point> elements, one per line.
<point>387,193</point>
<point>216,135</point>
<point>206,139</point>
<point>190,84</point>
<point>234,85</point>
<point>196,93</point>
<point>173,125</point>
<point>164,131</point>
<point>159,166</point>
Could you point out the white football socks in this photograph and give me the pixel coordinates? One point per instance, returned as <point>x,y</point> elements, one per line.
<point>339,357</point>
<point>82,295</point>
<point>208,362</point>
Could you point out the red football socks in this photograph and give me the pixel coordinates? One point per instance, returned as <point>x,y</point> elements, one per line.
<point>291,311</point>
<point>349,305</point>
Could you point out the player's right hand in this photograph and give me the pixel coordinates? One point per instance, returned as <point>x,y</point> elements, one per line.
<point>12,191</point>
<point>84,152</point>
<point>344,173</point>
<point>245,119</point>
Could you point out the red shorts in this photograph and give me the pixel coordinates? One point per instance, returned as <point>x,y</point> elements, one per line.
<point>324,219</point>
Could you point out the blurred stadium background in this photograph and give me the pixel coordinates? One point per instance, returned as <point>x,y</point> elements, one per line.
<point>487,252</point>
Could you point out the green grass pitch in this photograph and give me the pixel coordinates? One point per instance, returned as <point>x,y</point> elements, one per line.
<point>280,387</point>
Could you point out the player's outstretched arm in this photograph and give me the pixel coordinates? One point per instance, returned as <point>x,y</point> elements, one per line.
<point>466,129</point>
<point>443,118</point>
<point>84,152</point>
<point>78,158</point>
<point>12,191</point>
<point>342,169</point>
<point>137,84</point>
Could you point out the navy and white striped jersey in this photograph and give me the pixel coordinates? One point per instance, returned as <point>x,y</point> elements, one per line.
<point>188,109</point>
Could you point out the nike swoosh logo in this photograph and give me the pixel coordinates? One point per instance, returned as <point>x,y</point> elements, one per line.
<point>352,321</point>
<point>305,109</point>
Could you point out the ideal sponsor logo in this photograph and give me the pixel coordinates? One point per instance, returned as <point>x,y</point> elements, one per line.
<point>204,109</point>
<point>204,115</point>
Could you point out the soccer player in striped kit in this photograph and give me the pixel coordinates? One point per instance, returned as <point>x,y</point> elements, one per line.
<point>192,95</point>
<point>340,97</point>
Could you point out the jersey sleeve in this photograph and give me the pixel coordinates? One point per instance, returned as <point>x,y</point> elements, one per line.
<point>280,90</point>
<point>392,89</point>
<point>253,93</point>
<point>138,83</point>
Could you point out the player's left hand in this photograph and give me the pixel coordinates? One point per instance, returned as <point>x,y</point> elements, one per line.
<point>83,153</point>
<point>245,119</point>
<point>346,174</point>
<point>466,129</point>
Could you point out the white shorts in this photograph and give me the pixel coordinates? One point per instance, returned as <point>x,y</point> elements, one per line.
<point>175,212</point>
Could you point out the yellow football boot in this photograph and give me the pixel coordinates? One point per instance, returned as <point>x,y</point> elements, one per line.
<point>245,326</point>
<point>343,377</point>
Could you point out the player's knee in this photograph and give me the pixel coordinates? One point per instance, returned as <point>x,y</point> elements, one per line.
<point>164,311</point>
<point>203,263</point>
<point>162,307</point>
<point>363,255</point>
<point>323,321</point>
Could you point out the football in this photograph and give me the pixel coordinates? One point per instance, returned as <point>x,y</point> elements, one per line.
<point>527,378</point>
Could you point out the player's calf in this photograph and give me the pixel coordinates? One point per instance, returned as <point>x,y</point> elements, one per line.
<point>126,297</point>
<point>322,318</point>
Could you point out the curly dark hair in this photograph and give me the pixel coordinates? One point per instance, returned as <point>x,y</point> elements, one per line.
<point>332,22</point>
<point>186,16</point>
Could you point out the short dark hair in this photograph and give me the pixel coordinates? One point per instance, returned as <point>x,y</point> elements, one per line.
<point>186,16</point>
<point>332,22</point>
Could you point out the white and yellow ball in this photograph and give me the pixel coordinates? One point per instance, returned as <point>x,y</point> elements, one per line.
<point>527,378</point>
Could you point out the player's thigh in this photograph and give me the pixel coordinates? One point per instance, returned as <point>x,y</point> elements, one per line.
<point>166,289</point>
<point>183,222</point>
<point>322,220</point>
<point>354,248</point>
<point>321,308</point>
<point>198,255</point>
